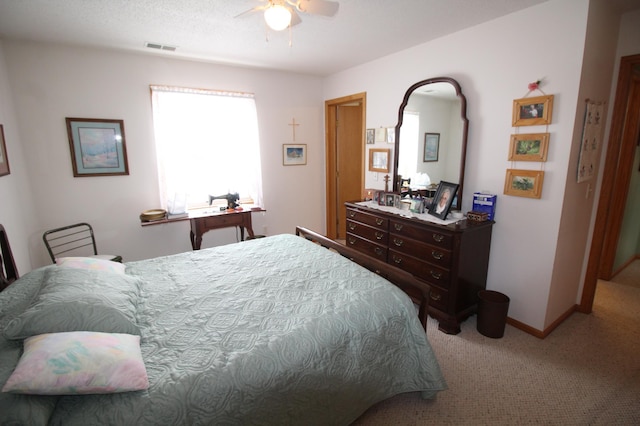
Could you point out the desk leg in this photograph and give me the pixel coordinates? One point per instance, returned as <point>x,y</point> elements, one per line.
<point>195,242</point>
<point>195,234</point>
<point>248,226</point>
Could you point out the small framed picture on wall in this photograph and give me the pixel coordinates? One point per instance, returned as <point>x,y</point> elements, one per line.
<point>294,154</point>
<point>4,160</point>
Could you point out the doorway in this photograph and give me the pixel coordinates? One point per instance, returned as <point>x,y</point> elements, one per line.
<point>345,152</point>
<point>623,137</point>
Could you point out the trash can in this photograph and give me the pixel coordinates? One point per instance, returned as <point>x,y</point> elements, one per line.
<point>492,313</point>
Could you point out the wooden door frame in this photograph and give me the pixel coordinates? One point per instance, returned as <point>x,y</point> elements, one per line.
<point>331,165</point>
<point>614,187</point>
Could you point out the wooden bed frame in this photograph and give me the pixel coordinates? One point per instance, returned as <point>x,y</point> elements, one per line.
<point>8,270</point>
<point>404,280</point>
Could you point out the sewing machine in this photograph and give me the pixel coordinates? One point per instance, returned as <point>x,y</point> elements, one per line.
<point>231,199</point>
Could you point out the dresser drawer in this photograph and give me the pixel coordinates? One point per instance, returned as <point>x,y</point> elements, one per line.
<point>438,298</point>
<point>221,221</point>
<point>433,254</point>
<point>421,269</point>
<point>429,235</point>
<point>368,232</point>
<point>369,219</point>
<point>367,247</point>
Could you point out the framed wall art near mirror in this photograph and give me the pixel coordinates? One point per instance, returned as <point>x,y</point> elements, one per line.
<point>532,111</point>
<point>529,147</point>
<point>524,183</point>
<point>379,160</point>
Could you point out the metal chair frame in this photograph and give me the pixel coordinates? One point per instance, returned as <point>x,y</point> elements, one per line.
<point>69,239</point>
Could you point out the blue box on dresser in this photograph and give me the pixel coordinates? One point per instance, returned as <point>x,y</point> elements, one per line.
<point>484,202</point>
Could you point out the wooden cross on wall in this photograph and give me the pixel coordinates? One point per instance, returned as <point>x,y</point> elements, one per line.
<point>293,125</point>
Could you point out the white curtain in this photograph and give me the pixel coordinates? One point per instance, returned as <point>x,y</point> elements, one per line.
<point>207,144</point>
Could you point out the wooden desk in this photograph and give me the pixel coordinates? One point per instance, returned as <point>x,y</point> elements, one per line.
<point>203,222</point>
<point>206,222</point>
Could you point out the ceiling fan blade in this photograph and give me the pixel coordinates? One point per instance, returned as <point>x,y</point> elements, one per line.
<point>255,9</point>
<point>318,7</point>
<point>295,18</point>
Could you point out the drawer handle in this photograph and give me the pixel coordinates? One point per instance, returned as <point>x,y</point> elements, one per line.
<point>378,251</point>
<point>435,275</point>
<point>352,240</point>
<point>435,296</point>
<point>438,237</point>
<point>379,221</point>
<point>397,259</point>
<point>398,242</point>
<point>437,254</point>
<point>398,226</point>
<point>379,235</point>
<point>352,226</point>
<point>351,213</point>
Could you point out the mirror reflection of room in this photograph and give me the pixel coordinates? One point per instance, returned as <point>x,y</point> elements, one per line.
<point>433,108</point>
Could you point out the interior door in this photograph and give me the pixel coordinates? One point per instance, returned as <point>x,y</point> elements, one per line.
<point>349,161</point>
<point>345,158</point>
<point>623,138</point>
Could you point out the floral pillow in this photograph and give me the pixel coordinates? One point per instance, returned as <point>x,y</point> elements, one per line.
<point>96,264</point>
<point>80,362</point>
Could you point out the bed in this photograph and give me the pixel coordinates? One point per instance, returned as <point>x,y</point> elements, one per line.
<point>286,329</point>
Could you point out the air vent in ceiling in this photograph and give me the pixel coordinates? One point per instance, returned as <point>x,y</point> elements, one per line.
<point>160,46</point>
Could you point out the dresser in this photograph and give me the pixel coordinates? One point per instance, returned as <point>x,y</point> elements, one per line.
<point>453,259</point>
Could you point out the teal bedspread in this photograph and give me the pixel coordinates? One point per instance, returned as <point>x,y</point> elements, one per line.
<point>271,331</point>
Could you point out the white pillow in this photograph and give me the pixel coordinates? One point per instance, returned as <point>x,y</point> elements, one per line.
<point>91,263</point>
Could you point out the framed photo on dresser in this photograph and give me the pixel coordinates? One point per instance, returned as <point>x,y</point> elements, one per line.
<point>443,199</point>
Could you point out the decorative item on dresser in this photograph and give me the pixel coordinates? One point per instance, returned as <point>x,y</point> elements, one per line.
<point>453,258</point>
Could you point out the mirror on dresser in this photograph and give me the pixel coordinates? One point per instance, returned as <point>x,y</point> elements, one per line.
<point>432,115</point>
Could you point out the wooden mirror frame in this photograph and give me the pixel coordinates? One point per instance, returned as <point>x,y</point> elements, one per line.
<point>465,130</point>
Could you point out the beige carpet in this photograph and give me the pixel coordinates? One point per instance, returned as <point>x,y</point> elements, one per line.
<point>586,372</point>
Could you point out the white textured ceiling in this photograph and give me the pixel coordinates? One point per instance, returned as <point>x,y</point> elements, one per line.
<point>362,30</point>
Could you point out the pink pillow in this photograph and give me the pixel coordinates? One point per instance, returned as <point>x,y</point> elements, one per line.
<point>80,362</point>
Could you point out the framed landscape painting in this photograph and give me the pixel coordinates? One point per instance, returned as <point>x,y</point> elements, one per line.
<point>524,183</point>
<point>97,146</point>
<point>529,147</point>
<point>294,154</point>
<point>431,147</point>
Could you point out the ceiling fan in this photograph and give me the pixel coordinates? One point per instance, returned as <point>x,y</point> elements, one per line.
<point>281,14</point>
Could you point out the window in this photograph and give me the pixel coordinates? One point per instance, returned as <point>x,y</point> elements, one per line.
<point>207,144</point>
<point>408,161</point>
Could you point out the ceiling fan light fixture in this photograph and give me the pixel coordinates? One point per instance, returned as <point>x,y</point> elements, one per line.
<point>277,17</point>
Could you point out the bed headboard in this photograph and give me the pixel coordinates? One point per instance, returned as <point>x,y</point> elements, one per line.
<point>8,270</point>
<point>402,279</point>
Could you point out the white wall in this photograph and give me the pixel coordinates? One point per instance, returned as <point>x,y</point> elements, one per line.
<point>50,82</point>
<point>493,63</point>
<point>17,210</point>
<point>595,85</point>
